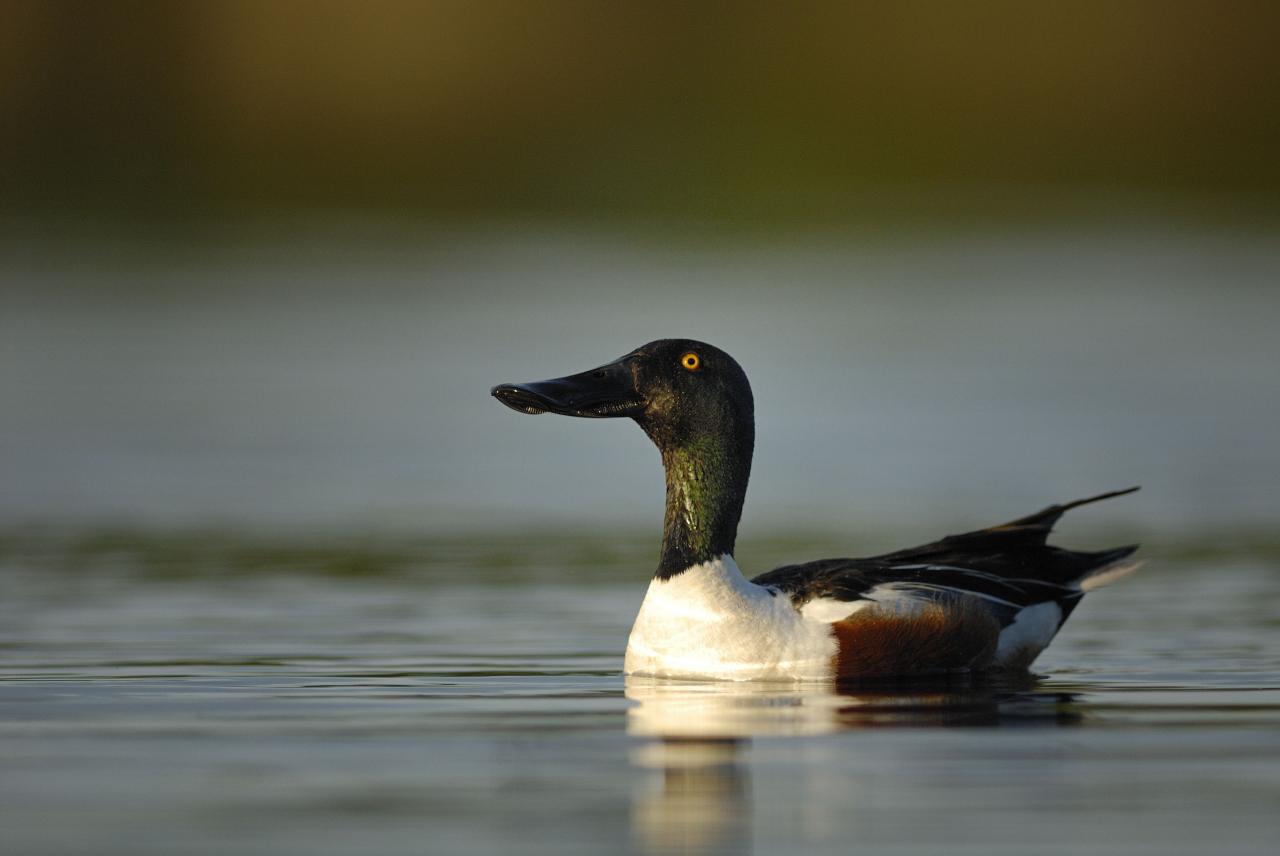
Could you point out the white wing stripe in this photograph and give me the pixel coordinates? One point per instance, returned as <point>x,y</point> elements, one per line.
<point>927,587</point>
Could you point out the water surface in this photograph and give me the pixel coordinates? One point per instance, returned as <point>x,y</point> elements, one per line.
<point>340,376</point>
<point>211,695</point>
<point>190,684</point>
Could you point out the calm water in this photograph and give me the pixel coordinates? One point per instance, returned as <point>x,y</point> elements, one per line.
<point>309,693</point>
<point>950,380</point>
<point>209,695</point>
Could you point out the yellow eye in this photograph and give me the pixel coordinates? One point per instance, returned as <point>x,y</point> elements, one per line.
<point>691,361</point>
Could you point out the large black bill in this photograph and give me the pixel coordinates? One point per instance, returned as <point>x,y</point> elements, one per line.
<point>607,391</point>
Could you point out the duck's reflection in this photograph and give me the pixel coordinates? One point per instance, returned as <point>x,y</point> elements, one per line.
<point>698,797</point>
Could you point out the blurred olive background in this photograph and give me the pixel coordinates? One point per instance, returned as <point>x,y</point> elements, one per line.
<point>261,261</point>
<point>578,107</point>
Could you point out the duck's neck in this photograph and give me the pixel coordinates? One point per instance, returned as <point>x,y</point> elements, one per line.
<point>706,486</point>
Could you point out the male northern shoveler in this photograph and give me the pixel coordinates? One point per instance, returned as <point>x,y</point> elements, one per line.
<point>985,600</point>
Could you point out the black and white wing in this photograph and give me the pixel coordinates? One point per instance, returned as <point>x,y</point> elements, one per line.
<point>1009,568</point>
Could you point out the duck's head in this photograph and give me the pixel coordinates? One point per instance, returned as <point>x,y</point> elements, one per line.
<point>694,402</point>
<point>676,389</point>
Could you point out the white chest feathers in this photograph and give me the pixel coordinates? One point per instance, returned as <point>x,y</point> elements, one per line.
<point>710,622</point>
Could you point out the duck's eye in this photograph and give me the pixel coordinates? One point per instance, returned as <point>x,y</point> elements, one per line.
<point>691,361</point>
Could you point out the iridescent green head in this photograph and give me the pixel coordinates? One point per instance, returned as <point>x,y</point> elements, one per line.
<point>694,402</point>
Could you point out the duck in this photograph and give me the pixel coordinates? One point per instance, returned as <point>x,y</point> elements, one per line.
<point>987,601</point>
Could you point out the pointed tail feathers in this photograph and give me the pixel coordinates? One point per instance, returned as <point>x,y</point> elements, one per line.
<point>1044,519</point>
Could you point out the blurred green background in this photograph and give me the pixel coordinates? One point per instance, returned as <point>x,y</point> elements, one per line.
<point>742,112</point>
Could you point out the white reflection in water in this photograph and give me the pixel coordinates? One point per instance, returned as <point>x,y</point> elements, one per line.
<point>684,710</point>
<point>698,796</point>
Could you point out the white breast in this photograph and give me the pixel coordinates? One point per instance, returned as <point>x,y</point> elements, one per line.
<point>710,622</point>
